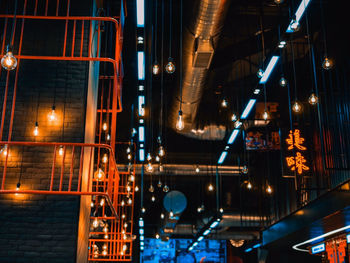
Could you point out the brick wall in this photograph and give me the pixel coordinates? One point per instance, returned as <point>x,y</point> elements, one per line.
<point>37,228</point>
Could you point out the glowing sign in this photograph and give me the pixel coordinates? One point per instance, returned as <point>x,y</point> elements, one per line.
<point>317,249</point>
<point>298,161</point>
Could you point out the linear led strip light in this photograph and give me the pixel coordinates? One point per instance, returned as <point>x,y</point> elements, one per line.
<point>298,14</point>
<point>140,13</point>
<point>296,247</point>
<point>269,69</point>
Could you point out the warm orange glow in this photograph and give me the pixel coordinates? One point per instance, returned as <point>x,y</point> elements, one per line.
<point>297,141</point>
<point>298,161</point>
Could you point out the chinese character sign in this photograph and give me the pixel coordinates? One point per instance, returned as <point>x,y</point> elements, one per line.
<point>297,161</point>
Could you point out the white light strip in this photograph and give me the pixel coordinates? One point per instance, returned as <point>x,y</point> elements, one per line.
<point>206,232</point>
<point>200,239</point>
<point>233,136</point>
<point>248,108</point>
<point>140,13</point>
<point>319,237</point>
<point>141,134</point>
<point>141,65</point>
<point>142,155</point>
<point>298,14</point>
<point>269,69</point>
<point>214,224</point>
<point>141,106</point>
<point>222,157</point>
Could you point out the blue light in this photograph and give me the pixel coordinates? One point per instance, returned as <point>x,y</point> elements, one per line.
<point>257,245</point>
<point>222,157</point>
<point>233,136</point>
<point>140,223</point>
<point>142,155</point>
<point>348,238</point>
<point>200,238</point>
<point>195,244</point>
<point>140,13</point>
<point>269,69</point>
<point>248,108</point>
<point>141,231</point>
<point>142,238</point>
<point>141,134</point>
<point>142,243</point>
<point>317,249</point>
<point>299,13</point>
<point>206,232</point>
<point>142,248</point>
<point>214,224</point>
<point>248,250</point>
<point>190,249</point>
<point>141,106</point>
<point>141,65</point>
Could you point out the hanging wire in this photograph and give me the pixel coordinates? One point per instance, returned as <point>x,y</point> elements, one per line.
<point>64,110</point>
<point>13,23</point>
<point>181,71</point>
<point>156,32</point>
<point>323,28</point>
<point>170,26</point>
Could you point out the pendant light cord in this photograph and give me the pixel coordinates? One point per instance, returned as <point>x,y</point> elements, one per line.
<point>323,28</point>
<point>181,10</point>
<point>155,33</point>
<point>170,25</point>
<point>162,76</point>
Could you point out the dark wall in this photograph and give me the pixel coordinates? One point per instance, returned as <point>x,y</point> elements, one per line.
<point>42,228</point>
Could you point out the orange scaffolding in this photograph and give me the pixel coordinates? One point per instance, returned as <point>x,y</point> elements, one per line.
<point>69,161</point>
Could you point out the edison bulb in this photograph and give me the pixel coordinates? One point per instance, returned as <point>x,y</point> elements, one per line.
<point>162,216</point>
<point>161,168</point>
<point>149,157</point>
<point>295,26</point>
<point>170,67</point>
<point>283,82</point>
<point>128,188</point>
<point>105,229</point>
<point>151,188</point>
<point>92,204</point>
<point>129,201</point>
<point>53,115</point>
<point>131,178</point>
<point>102,202</point>
<point>221,210</point>
<point>180,124</point>
<point>269,189</point>
<point>105,158</point>
<point>199,209</point>
<point>104,247</point>
<point>153,198</point>
<point>60,150</point>
<point>161,151</point>
<point>143,210</point>
<point>224,103</point>
<point>4,150</point>
<point>125,225</point>
<point>122,203</point>
<point>136,188</point>
<point>96,254</point>
<point>165,188</point>
<point>244,169</point>
<point>18,186</point>
<point>249,185</point>
<point>99,174</point>
<point>265,115</point>
<point>296,107</point>
<point>123,216</point>
<point>155,68</point>
<point>104,126</point>
<point>327,63</point>
<point>313,99</point>
<point>129,156</point>
<point>211,187</point>
<point>260,73</point>
<point>159,184</point>
<point>149,168</point>
<point>278,1</point>
<point>171,214</point>
<point>108,137</point>
<point>233,117</point>
<point>105,236</point>
<point>36,129</point>
<point>157,236</point>
<point>197,169</point>
<point>9,62</point>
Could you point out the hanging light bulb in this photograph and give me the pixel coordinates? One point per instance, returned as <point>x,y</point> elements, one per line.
<point>96,254</point>
<point>244,169</point>
<point>53,115</point>
<point>108,137</point>
<point>105,236</point>
<point>123,216</point>
<point>180,125</point>
<point>104,126</point>
<point>296,107</point>
<point>199,209</point>
<point>224,103</point>
<point>211,187</point>
<point>136,188</point>
<point>171,214</point>
<point>162,216</point>
<point>105,158</point>
<point>161,151</point>
<point>36,129</point>
<point>92,204</point>
<point>151,188</point>
<point>157,159</point>
<point>143,210</point>
<point>157,236</point>
<point>149,157</point>
<point>129,156</point>
<point>249,185</point>
<point>265,115</point>
<point>122,203</point>
<point>9,62</point>
<point>283,82</point>
<point>105,229</point>
<point>313,99</point>
<point>18,186</point>
<point>125,225</point>
<point>278,2</point>
<point>233,117</point>
<point>99,175</point>
<point>197,169</point>
<point>269,189</point>
<point>155,68</point>
<point>159,184</point>
<point>221,210</point>
<point>104,253</point>
<point>165,188</point>
<point>104,247</point>
<point>170,67</point>
<point>129,201</point>
<point>295,26</point>
<point>149,168</point>
<point>128,150</point>
<point>60,150</point>
<point>102,202</point>
<point>327,63</point>
<point>4,150</point>
<point>161,168</point>
<point>131,178</point>
<point>95,223</point>
<point>128,188</point>
<point>153,198</point>
<point>260,73</point>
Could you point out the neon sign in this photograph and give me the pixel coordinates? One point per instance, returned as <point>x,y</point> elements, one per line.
<point>298,161</point>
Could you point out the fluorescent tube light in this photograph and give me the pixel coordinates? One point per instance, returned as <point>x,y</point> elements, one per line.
<point>248,108</point>
<point>222,157</point>
<point>141,134</point>
<point>269,69</point>
<point>140,13</point>
<point>233,136</point>
<point>141,65</point>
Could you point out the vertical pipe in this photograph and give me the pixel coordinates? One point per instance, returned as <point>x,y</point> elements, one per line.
<point>53,167</point>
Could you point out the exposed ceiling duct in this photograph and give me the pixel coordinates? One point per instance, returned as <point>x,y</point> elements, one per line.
<point>199,41</point>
